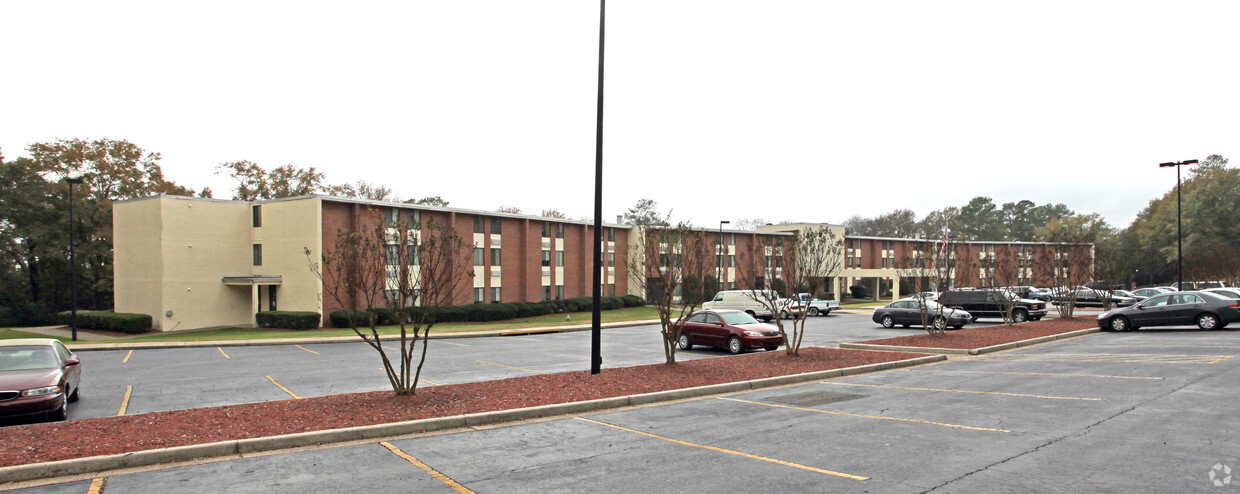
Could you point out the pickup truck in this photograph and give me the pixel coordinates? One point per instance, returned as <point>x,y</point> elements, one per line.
<point>803,301</point>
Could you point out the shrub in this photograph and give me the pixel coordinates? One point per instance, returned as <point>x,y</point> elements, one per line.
<point>858,291</point>
<point>530,309</point>
<point>103,320</point>
<point>633,301</point>
<point>493,312</point>
<point>553,306</point>
<point>26,314</point>
<point>578,304</point>
<point>287,319</point>
<point>360,318</point>
<point>385,316</point>
<point>611,303</point>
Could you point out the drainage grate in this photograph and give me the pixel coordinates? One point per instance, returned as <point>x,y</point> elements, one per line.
<point>813,398</point>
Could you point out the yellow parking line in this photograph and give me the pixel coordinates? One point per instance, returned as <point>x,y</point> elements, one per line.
<point>450,343</point>
<point>1039,374</point>
<point>96,485</point>
<point>582,357</point>
<point>125,401</point>
<point>432,383</point>
<point>426,468</point>
<point>967,391</point>
<point>286,390</point>
<point>868,416</point>
<point>728,451</point>
<point>510,367</point>
<point>304,348</point>
<point>222,352</point>
<point>127,355</point>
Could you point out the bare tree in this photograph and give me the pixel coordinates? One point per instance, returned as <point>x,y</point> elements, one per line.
<point>998,272</point>
<point>817,254</point>
<point>508,209</point>
<point>925,267</point>
<point>663,259</point>
<point>552,213</point>
<point>762,265</point>
<point>1069,265</point>
<point>403,269</point>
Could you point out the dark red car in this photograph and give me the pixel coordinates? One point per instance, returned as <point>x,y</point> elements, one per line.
<point>732,330</point>
<point>37,377</point>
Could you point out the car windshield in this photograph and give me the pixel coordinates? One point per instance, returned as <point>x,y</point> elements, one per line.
<point>735,318</point>
<point>27,358</point>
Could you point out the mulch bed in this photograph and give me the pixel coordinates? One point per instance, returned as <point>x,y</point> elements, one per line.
<point>972,338</point>
<point>36,443</point>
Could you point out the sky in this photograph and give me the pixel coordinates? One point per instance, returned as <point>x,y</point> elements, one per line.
<point>809,111</point>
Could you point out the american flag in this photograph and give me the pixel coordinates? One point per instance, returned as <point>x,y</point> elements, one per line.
<point>943,247</point>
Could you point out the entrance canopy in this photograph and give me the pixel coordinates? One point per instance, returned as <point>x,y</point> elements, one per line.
<point>254,279</point>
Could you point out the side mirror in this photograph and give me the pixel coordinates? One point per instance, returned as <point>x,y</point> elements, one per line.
<point>72,361</point>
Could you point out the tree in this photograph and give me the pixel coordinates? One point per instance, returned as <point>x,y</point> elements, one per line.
<point>364,190</point>
<point>926,266</point>
<point>646,213</point>
<point>1070,256</point>
<point>763,267</point>
<point>432,201</point>
<point>509,209</point>
<point>750,224</point>
<point>401,269</point>
<point>980,220</point>
<point>551,213</point>
<point>817,254</point>
<point>254,183</point>
<point>859,226</point>
<point>999,270</point>
<point>663,258</point>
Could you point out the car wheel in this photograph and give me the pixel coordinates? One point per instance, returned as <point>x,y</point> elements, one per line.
<point>683,343</point>
<point>1020,316</point>
<point>752,314</point>
<point>1207,321</point>
<point>784,314</point>
<point>1119,323</point>
<point>73,398</point>
<point>60,414</point>
<point>957,326</point>
<point>939,323</point>
<point>734,345</point>
<point>772,348</point>
<point>813,311</point>
<point>888,322</point>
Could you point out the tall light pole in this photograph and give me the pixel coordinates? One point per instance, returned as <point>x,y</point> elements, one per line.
<point>720,255</point>
<point>596,328</point>
<point>1179,232</point>
<point>72,263</point>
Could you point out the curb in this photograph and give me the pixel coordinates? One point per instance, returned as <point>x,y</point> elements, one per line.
<point>311,340</point>
<point>96,464</point>
<point>971,351</point>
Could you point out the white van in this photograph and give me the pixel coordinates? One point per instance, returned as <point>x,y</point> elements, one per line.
<point>743,300</point>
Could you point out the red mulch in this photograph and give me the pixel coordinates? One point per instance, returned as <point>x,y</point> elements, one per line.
<point>44,442</point>
<point>971,338</point>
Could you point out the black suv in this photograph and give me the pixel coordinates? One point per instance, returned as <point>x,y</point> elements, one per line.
<point>986,303</point>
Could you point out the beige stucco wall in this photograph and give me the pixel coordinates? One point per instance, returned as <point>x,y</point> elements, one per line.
<point>289,228</point>
<point>173,252</point>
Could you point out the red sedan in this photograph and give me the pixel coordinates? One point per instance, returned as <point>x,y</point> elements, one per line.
<point>37,377</point>
<point>729,329</point>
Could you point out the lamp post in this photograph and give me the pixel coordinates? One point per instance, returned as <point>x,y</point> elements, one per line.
<point>72,263</point>
<point>720,255</point>
<point>1179,232</point>
<point>596,328</point>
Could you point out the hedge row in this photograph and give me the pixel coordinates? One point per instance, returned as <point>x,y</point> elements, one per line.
<point>103,320</point>
<point>483,312</point>
<point>287,319</point>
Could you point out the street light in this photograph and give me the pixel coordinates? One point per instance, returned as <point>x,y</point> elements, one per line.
<point>720,254</point>
<point>72,263</point>
<point>1179,232</point>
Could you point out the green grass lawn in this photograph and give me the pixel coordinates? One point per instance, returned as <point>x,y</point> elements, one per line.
<point>551,320</point>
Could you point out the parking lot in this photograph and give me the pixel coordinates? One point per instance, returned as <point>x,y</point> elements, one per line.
<point>1143,411</point>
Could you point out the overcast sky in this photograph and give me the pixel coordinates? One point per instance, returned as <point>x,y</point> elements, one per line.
<point>719,110</point>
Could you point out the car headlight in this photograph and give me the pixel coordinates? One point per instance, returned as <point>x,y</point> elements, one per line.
<point>50,390</point>
<point>753,333</point>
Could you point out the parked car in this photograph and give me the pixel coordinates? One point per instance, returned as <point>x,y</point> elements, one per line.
<point>1226,292</point>
<point>1207,310</point>
<point>1086,298</point>
<point>38,376</point>
<point>1030,292</point>
<point>927,295</point>
<point>732,330</point>
<point>744,301</point>
<point>986,303</point>
<point>1200,285</point>
<point>1126,293</point>
<point>812,306</point>
<point>907,312</point>
<point>1150,292</point>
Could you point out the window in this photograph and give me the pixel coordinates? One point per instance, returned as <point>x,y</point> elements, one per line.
<point>559,258</point>
<point>731,260</point>
<point>494,257</point>
<point>391,255</point>
<point>546,230</point>
<point>258,254</point>
<point>611,234</point>
<point>559,230</point>
<point>611,290</point>
<point>546,258</point>
<point>478,256</point>
<point>478,292</point>
<point>731,239</point>
<point>611,258</point>
<point>495,295</point>
<point>495,225</point>
<point>478,221</point>
<point>546,293</point>
<point>559,292</point>
<point>413,255</point>
<point>257,211</point>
